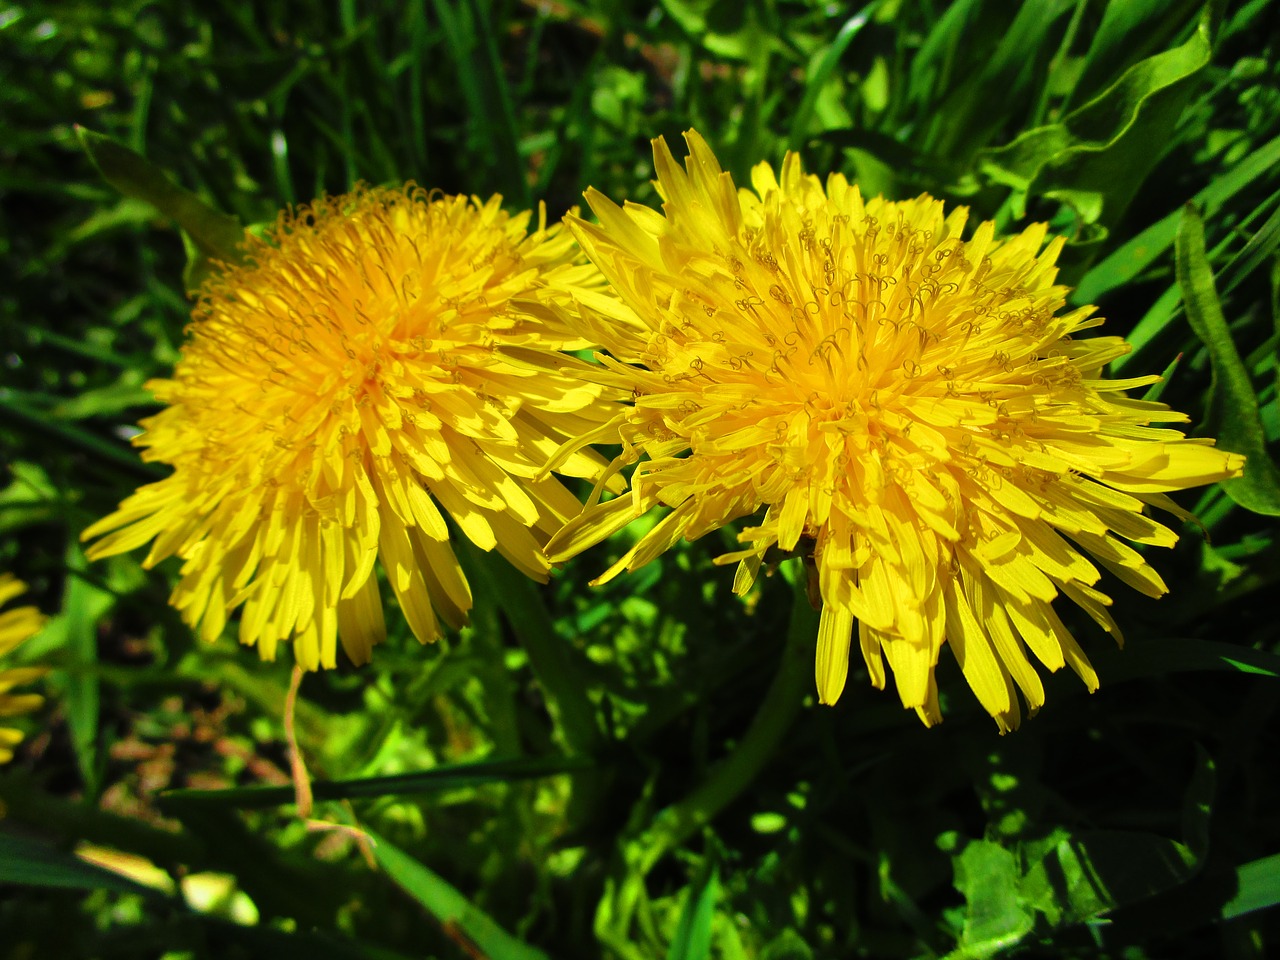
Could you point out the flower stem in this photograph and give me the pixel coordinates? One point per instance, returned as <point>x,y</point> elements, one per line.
<point>562,683</point>
<point>779,708</point>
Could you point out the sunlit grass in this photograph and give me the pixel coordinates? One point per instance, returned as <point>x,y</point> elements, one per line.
<point>584,771</point>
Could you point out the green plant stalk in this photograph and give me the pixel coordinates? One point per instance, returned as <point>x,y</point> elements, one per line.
<point>778,710</point>
<point>561,682</point>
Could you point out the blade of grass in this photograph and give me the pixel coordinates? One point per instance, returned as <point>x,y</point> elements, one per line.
<point>438,779</point>
<point>693,930</point>
<point>1233,405</point>
<point>450,907</point>
<point>966,120</point>
<point>48,428</point>
<point>26,803</point>
<point>1130,30</point>
<point>31,863</point>
<point>75,631</point>
<point>821,67</point>
<point>1134,256</point>
<point>1141,660</point>
<point>471,41</point>
<point>1147,332</point>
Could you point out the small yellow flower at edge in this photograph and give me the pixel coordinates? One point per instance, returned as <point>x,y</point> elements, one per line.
<point>16,626</point>
<point>384,360</point>
<point>904,404</point>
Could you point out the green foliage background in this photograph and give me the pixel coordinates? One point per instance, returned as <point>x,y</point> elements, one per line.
<point>640,770</point>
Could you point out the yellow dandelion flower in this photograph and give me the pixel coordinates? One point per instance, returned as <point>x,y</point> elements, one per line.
<point>16,625</point>
<point>353,383</point>
<point>908,408</point>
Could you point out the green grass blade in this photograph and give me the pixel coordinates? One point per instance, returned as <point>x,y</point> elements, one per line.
<point>1233,404</point>
<point>1257,887</point>
<point>966,120</point>
<point>1157,320</point>
<point>75,632</point>
<point>1141,660</point>
<point>17,412</point>
<point>471,41</point>
<point>820,70</point>
<point>1132,257</point>
<point>1257,251</point>
<point>932,66</point>
<point>445,777</point>
<point>34,864</point>
<point>27,803</point>
<point>453,910</point>
<point>693,931</point>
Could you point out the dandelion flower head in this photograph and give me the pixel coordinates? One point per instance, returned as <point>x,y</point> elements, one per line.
<point>352,383</point>
<point>16,626</point>
<point>909,408</point>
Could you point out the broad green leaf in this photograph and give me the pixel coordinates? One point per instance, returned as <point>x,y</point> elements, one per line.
<point>449,906</point>
<point>213,235</point>
<point>729,30</point>
<point>1130,30</point>
<point>693,930</point>
<point>1233,405</point>
<point>1096,157</point>
<point>1257,887</point>
<point>1092,872</point>
<point>995,916</point>
<point>35,864</point>
<point>691,15</point>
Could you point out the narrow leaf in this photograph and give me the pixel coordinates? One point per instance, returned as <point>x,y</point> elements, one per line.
<point>1233,404</point>
<point>1135,255</point>
<point>75,630</point>
<point>693,930</point>
<point>36,864</point>
<point>820,70</point>
<point>212,234</point>
<point>1183,655</point>
<point>445,777</point>
<point>453,910</point>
